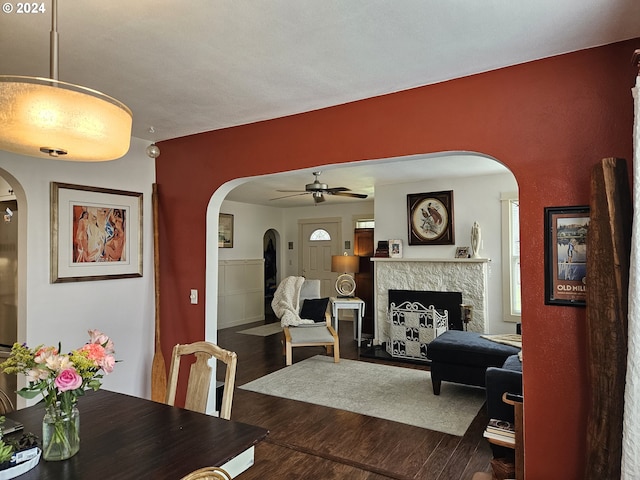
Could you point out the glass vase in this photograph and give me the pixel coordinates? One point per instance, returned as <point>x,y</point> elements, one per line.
<point>60,432</point>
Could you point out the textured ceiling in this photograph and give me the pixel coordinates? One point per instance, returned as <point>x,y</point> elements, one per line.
<point>189,67</point>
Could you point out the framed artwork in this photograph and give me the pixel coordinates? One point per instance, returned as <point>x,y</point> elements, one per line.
<point>96,233</point>
<point>225,230</point>
<point>462,252</point>
<point>395,248</point>
<point>430,218</point>
<point>565,259</point>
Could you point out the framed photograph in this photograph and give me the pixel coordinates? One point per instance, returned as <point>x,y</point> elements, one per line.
<point>96,233</point>
<point>225,230</point>
<point>566,255</point>
<point>430,218</point>
<point>463,252</point>
<point>395,248</point>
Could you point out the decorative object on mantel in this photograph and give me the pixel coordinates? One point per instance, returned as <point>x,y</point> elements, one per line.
<point>430,218</point>
<point>462,252</point>
<point>345,264</point>
<point>476,236</point>
<point>61,379</point>
<point>395,248</point>
<point>383,249</point>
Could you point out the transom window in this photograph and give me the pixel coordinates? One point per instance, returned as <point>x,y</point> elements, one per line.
<point>319,234</point>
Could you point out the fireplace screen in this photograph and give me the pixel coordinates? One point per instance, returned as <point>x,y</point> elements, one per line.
<point>413,325</point>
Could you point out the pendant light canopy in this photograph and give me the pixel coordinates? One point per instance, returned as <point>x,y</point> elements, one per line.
<point>43,117</point>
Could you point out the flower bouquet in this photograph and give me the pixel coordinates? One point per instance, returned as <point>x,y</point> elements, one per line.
<point>61,379</point>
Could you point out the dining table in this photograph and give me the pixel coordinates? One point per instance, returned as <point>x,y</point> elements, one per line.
<point>126,437</point>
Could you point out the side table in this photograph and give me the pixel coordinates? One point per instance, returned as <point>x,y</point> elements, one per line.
<point>348,303</point>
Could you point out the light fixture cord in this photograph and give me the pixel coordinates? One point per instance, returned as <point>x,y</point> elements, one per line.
<point>53,58</point>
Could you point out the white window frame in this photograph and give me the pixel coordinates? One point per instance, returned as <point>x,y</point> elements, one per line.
<point>511,288</point>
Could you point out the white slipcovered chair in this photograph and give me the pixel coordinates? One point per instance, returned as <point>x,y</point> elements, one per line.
<point>299,332</point>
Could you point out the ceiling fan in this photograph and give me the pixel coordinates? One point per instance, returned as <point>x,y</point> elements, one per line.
<point>318,189</point>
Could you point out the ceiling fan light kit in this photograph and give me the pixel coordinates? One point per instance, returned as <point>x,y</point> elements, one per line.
<point>46,118</point>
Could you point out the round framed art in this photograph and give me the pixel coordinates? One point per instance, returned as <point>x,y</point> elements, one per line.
<point>430,218</point>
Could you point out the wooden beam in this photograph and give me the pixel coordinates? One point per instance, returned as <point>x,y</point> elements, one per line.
<point>608,258</point>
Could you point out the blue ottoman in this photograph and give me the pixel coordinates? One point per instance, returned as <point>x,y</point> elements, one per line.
<point>463,357</point>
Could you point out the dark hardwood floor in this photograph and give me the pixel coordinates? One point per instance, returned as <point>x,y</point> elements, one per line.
<point>313,442</point>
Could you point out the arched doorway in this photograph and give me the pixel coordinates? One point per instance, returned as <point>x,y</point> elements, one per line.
<point>271,246</point>
<point>9,287</point>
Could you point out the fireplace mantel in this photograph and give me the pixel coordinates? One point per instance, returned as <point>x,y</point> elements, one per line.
<point>466,275</point>
<point>435,260</point>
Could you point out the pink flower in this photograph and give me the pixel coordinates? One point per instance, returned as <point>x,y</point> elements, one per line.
<point>68,380</point>
<point>96,336</point>
<point>108,363</point>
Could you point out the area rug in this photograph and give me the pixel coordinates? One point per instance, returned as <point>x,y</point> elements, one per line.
<point>263,330</point>
<point>393,393</point>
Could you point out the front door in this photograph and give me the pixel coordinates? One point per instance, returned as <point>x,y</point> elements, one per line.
<point>319,240</point>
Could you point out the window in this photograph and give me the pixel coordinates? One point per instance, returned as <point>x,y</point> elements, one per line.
<point>512,307</point>
<point>365,223</point>
<point>319,235</point>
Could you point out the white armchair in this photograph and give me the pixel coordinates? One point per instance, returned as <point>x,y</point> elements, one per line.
<point>305,333</point>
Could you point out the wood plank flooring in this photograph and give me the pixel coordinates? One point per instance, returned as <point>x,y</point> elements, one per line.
<point>313,442</point>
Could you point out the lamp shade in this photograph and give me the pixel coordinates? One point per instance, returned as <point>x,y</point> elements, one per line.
<point>46,118</point>
<point>345,263</point>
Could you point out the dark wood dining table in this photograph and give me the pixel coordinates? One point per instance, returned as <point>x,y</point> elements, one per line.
<point>125,437</point>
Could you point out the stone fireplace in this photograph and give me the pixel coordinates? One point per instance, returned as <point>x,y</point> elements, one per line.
<point>468,276</point>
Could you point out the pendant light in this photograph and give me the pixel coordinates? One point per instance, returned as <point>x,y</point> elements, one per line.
<point>46,118</point>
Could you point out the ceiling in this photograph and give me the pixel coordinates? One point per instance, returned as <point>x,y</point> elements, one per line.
<point>189,67</point>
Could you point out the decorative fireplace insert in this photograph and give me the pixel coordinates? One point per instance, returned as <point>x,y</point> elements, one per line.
<point>417,317</point>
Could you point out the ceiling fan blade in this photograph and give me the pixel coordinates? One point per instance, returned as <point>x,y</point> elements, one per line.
<point>349,194</point>
<point>293,191</point>
<point>287,196</point>
<point>338,189</point>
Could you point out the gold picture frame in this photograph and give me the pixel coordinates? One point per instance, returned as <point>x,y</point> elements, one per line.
<point>96,233</point>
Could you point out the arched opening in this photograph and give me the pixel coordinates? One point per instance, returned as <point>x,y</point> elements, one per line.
<point>271,246</point>
<point>463,169</point>
<point>13,273</point>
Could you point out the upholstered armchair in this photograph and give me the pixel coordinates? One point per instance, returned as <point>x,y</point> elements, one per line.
<point>304,317</point>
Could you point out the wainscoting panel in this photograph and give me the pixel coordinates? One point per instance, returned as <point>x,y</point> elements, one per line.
<point>240,292</point>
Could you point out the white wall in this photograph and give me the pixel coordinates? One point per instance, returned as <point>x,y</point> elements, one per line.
<point>250,222</point>
<point>474,199</point>
<point>122,308</point>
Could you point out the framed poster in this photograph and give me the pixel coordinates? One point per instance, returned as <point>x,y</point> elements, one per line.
<point>430,218</point>
<point>225,230</point>
<point>463,252</point>
<point>566,255</point>
<point>96,233</point>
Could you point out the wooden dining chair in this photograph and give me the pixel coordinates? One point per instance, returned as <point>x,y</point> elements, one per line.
<point>208,473</point>
<point>200,376</point>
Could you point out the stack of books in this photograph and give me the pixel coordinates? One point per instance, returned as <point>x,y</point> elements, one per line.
<point>501,431</point>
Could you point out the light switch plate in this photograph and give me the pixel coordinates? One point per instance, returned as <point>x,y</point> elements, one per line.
<point>194,296</point>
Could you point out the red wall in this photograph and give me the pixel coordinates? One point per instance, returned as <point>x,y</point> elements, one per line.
<point>549,121</point>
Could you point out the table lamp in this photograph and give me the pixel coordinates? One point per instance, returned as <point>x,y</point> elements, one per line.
<point>345,264</point>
